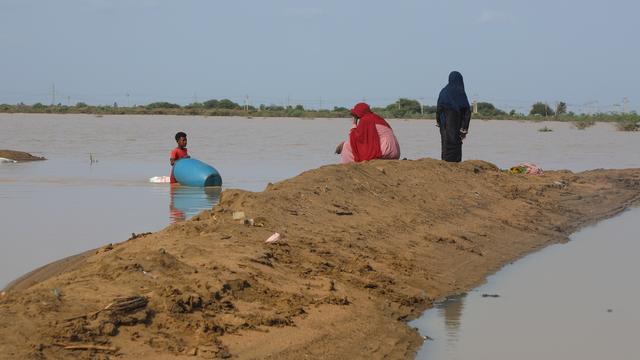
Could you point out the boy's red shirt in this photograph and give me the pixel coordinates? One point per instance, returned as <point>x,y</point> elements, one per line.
<point>176,154</point>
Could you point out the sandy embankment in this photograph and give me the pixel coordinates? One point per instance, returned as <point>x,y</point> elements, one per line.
<point>19,155</point>
<point>365,247</point>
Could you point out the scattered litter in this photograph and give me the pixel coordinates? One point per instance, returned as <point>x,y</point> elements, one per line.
<point>135,236</point>
<point>527,169</point>
<point>127,304</point>
<point>144,272</point>
<point>238,215</point>
<point>249,222</point>
<point>273,238</point>
<point>8,161</point>
<point>609,310</point>
<point>160,179</point>
<point>560,184</point>
<point>342,213</point>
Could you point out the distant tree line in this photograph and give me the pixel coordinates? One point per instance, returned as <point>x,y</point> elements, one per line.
<point>401,108</point>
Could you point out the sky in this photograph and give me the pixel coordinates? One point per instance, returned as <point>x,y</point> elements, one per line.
<point>320,53</point>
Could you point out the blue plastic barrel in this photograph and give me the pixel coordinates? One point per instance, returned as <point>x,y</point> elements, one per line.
<point>193,172</point>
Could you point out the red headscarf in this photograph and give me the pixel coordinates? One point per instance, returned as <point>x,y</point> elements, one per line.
<point>365,141</point>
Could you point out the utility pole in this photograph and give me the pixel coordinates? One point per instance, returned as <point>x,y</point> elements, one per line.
<point>53,94</point>
<point>475,103</point>
<point>128,103</point>
<point>246,103</point>
<point>625,105</point>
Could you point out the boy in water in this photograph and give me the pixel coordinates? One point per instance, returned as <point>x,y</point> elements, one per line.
<point>180,152</point>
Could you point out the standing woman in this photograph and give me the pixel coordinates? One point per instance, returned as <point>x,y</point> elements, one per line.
<point>452,117</point>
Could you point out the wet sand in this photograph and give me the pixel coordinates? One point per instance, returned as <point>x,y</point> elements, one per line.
<point>19,155</point>
<point>364,248</point>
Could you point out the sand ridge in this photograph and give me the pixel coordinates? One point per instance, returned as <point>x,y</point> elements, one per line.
<point>19,155</point>
<point>364,248</point>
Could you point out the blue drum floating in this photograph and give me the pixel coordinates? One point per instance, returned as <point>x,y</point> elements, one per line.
<point>193,172</point>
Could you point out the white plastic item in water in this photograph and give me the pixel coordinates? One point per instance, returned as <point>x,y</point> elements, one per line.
<point>160,179</point>
<point>5,160</point>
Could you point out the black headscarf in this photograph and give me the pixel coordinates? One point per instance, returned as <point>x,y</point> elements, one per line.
<point>453,96</point>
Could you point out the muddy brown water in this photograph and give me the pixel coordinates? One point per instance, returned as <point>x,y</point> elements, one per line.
<point>577,300</point>
<point>68,204</point>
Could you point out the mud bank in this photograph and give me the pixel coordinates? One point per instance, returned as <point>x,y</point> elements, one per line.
<point>19,155</point>
<point>364,248</point>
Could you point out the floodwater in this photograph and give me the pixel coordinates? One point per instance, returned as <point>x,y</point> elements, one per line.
<point>577,300</point>
<point>68,204</point>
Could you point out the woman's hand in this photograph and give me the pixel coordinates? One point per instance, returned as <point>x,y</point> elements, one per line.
<point>339,148</point>
<point>463,134</point>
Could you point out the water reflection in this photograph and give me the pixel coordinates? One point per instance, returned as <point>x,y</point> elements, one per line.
<point>451,311</point>
<point>188,201</point>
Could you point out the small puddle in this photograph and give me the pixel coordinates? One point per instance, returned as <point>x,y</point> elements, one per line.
<point>577,300</point>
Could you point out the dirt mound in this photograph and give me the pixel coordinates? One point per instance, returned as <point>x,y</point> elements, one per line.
<point>363,248</point>
<point>19,155</point>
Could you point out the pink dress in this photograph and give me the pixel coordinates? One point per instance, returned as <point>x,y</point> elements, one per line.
<point>388,145</point>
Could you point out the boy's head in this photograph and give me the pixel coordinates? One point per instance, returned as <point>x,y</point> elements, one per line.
<point>181,139</point>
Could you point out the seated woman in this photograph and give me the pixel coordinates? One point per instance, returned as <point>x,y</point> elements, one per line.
<point>370,138</point>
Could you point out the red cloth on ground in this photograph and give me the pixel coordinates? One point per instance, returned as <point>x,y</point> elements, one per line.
<point>176,154</point>
<point>364,139</point>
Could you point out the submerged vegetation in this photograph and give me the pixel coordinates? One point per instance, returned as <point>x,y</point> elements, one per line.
<point>402,108</point>
<point>628,126</point>
<point>583,123</point>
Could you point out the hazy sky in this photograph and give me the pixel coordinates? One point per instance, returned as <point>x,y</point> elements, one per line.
<point>511,53</point>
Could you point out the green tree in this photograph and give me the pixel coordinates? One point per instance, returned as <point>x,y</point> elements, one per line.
<point>542,109</point>
<point>227,104</point>
<point>81,105</point>
<point>404,107</point>
<point>488,109</point>
<point>38,106</point>
<point>561,108</point>
<point>162,105</point>
<point>430,109</point>
<point>211,104</point>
